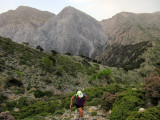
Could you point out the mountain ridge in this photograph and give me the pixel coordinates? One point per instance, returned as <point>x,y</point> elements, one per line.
<point>73,31</point>
<point>131,28</point>
<point>70,31</point>
<point>24,14</point>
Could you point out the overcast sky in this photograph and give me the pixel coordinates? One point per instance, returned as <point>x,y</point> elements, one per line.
<point>99,9</point>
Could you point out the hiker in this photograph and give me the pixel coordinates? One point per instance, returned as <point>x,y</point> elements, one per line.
<point>80,102</point>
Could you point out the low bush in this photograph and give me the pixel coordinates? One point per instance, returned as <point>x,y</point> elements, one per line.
<point>104,74</point>
<point>94,102</point>
<point>152,88</point>
<point>20,103</point>
<point>59,112</point>
<point>125,104</point>
<point>37,108</point>
<point>38,93</point>
<point>48,63</point>
<point>13,82</point>
<point>2,98</point>
<point>149,114</point>
<point>108,100</point>
<point>94,113</point>
<point>11,105</point>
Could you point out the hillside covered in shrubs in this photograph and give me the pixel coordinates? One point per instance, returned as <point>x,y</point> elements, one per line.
<point>37,85</point>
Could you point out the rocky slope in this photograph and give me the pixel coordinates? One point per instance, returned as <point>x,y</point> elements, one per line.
<point>70,31</point>
<point>23,15</point>
<point>130,28</point>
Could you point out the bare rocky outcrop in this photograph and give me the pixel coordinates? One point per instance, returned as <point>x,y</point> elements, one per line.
<point>130,28</point>
<point>6,116</point>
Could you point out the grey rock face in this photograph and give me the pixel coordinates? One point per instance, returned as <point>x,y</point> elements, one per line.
<point>24,14</point>
<point>129,28</point>
<point>70,31</point>
<point>73,31</point>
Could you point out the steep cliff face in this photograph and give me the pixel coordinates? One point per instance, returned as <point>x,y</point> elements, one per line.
<point>70,31</point>
<point>129,28</point>
<point>73,31</point>
<point>22,24</point>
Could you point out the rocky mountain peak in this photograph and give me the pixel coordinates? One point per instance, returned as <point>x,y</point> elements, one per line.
<point>131,28</point>
<point>24,14</point>
<point>70,12</point>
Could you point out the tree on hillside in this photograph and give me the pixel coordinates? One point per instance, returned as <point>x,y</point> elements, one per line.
<point>48,63</point>
<point>54,52</point>
<point>25,43</point>
<point>39,48</point>
<point>152,88</point>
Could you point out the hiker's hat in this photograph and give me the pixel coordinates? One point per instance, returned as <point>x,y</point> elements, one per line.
<point>80,94</point>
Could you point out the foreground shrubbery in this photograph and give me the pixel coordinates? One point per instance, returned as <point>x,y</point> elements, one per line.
<point>126,103</point>
<point>38,108</point>
<point>20,103</point>
<point>152,88</point>
<point>94,94</point>
<point>150,114</point>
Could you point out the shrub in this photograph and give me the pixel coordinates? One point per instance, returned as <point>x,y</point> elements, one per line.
<point>38,108</point>
<point>60,71</point>
<point>13,82</point>
<point>39,93</point>
<point>66,102</point>
<point>20,90</point>
<point>2,98</point>
<point>48,63</point>
<point>94,113</point>
<point>104,74</point>
<point>54,52</point>
<point>95,102</point>
<point>152,88</point>
<point>20,74</point>
<point>39,48</point>
<point>21,102</point>
<point>125,104</point>
<point>85,63</point>
<point>108,100</point>
<point>59,112</point>
<point>11,105</point>
<point>68,54</point>
<point>149,114</point>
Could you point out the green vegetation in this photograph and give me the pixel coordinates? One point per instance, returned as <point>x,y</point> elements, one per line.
<point>13,82</point>
<point>149,114</point>
<point>127,57</point>
<point>38,108</point>
<point>94,113</point>
<point>126,103</point>
<point>152,87</point>
<point>48,63</point>
<point>104,74</point>
<point>94,94</point>
<point>45,79</point>
<point>39,93</point>
<point>20,103</point>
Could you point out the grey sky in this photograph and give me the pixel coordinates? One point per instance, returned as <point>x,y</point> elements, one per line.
<point>99,9</point>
